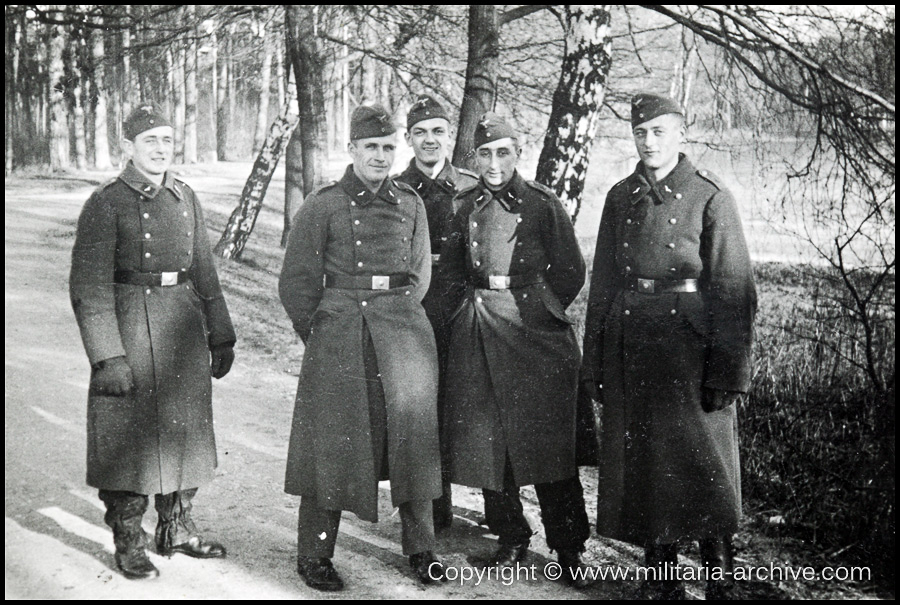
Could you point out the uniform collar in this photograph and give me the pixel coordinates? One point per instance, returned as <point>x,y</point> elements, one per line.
<point>446,180</point>
<point>670,188</point>
<point>362,195</point>
<point>135,179</point>
<point>509,196</point>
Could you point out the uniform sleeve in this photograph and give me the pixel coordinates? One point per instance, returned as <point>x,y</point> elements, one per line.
<point>566,271</point>
<point>420,265</point>
<point>601,294</point>
<point>206,280</point>
<point>91,284</point>
<point>729,293</point>
<point>301,284</point>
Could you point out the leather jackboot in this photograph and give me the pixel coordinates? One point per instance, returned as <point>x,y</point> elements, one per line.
<point>124,511</point>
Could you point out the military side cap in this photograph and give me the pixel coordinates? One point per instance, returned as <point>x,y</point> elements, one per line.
<point>143,118</point>
<point>425,108</point>
<point>646,106</point>
<point>370,121</point>
<point>492,128</point>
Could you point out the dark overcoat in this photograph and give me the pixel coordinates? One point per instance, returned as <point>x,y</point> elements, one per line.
<point>159,438</point>
<point>344,229</point>
<point>668,469</point>
<point>513,368</point>
<point>438,193</point>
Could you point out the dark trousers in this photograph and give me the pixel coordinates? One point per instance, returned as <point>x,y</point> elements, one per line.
<point>317,527</point>
<point>562,512</point>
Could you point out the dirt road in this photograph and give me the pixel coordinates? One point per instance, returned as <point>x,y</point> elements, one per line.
<point>57,545</point>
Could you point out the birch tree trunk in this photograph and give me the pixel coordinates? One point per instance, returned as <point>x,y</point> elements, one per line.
<point>243,218</point>
<point>482,69</point>
<point>577,102</point>
<point>222,95</point>
<point>76,78</point>
<point>178,96</point>
<point>293,182</point>
<point>59,128</point>
<point>12,82</point>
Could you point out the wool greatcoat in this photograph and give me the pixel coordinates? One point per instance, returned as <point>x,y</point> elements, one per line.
<point>668,469</point>
<point>344,229</point>
<point>513,368</point>
<point>159,438</point>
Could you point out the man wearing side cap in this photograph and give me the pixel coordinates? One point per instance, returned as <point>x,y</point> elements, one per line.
<point>437,182</point>
<point>155,326</point>
<point>667,353</point>
<point>356,268</point>
<point>513,363</point>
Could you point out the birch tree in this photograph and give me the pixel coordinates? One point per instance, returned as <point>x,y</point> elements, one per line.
<point>577,103</point>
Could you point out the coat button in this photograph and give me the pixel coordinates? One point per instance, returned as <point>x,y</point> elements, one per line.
<point>146,215</point>
<point>671,245</point>
<point>627,269</point>
<point>474,224</point>
<point>147,290</point>
<point>146,236</point>
<point>521,260</point>
<point>673,269</point>
<point>678,196</point>
<point>406,293</point>
<point>478,299</point>
<point>625,245</point>
<point>478,263</point>
<point>403,220</point>
<point>474,244</point>
<point>358,243</point>
<point>404,258</point>
<point>189,233</point>
<point>674,312</point>
<point>146,255</point>
<point>405,239</point>
<point>184,214</point>
<point>364,303</point>
<point>359,264</point>
<point>627,221</point>
<point>356,222</point>
<point>672,221</point>
<point>519,220</point>
<point>352,203</point>
<point>525,295</point>
<point>627,312</point>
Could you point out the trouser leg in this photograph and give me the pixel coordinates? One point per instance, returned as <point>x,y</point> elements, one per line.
<point>175,524</point>
<point>504,513</point>
<point>563,514</point>
<point>317,530</point>
<point>124,512</point>
<point>418,526</point>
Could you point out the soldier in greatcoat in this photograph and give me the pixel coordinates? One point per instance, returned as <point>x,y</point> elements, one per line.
<point>155,326</point>
<point>513,363</point>
<point>437,182</point>
<point>356,268</point>
<point>667,352</point>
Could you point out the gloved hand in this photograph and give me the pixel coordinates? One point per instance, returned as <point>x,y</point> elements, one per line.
<point>222,358</point>
<point>112,377</point>
<point>593,390</point>
<point>714,399</point>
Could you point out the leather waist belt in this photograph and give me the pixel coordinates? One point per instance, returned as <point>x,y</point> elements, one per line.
<point>435,258</point>
<point>140,278</point>
<point>367,282</point>
<point>657,286</point>
<point>506,282</point>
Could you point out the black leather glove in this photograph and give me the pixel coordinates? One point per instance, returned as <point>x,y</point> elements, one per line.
<point>714,399</point>
<point>112,377</point>
<point>222,358</point>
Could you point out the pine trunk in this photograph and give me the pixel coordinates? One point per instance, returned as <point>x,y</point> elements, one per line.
<point>243,218</point>
<point>12,82</point>
<point>577,102</point>
<point>482,69</point>
<point>265,79</point>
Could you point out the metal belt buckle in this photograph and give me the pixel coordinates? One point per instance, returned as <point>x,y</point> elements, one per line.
<point>381,282</point>
<point>169,278</point>
<point>498,282</point>
<point>646,286</point>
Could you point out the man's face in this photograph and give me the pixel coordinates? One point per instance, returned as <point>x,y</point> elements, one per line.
<point>496,161</point>
<point>373,158</point>
<point>430,140</point>
<point>152,151</point>
<point>659,140</point>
